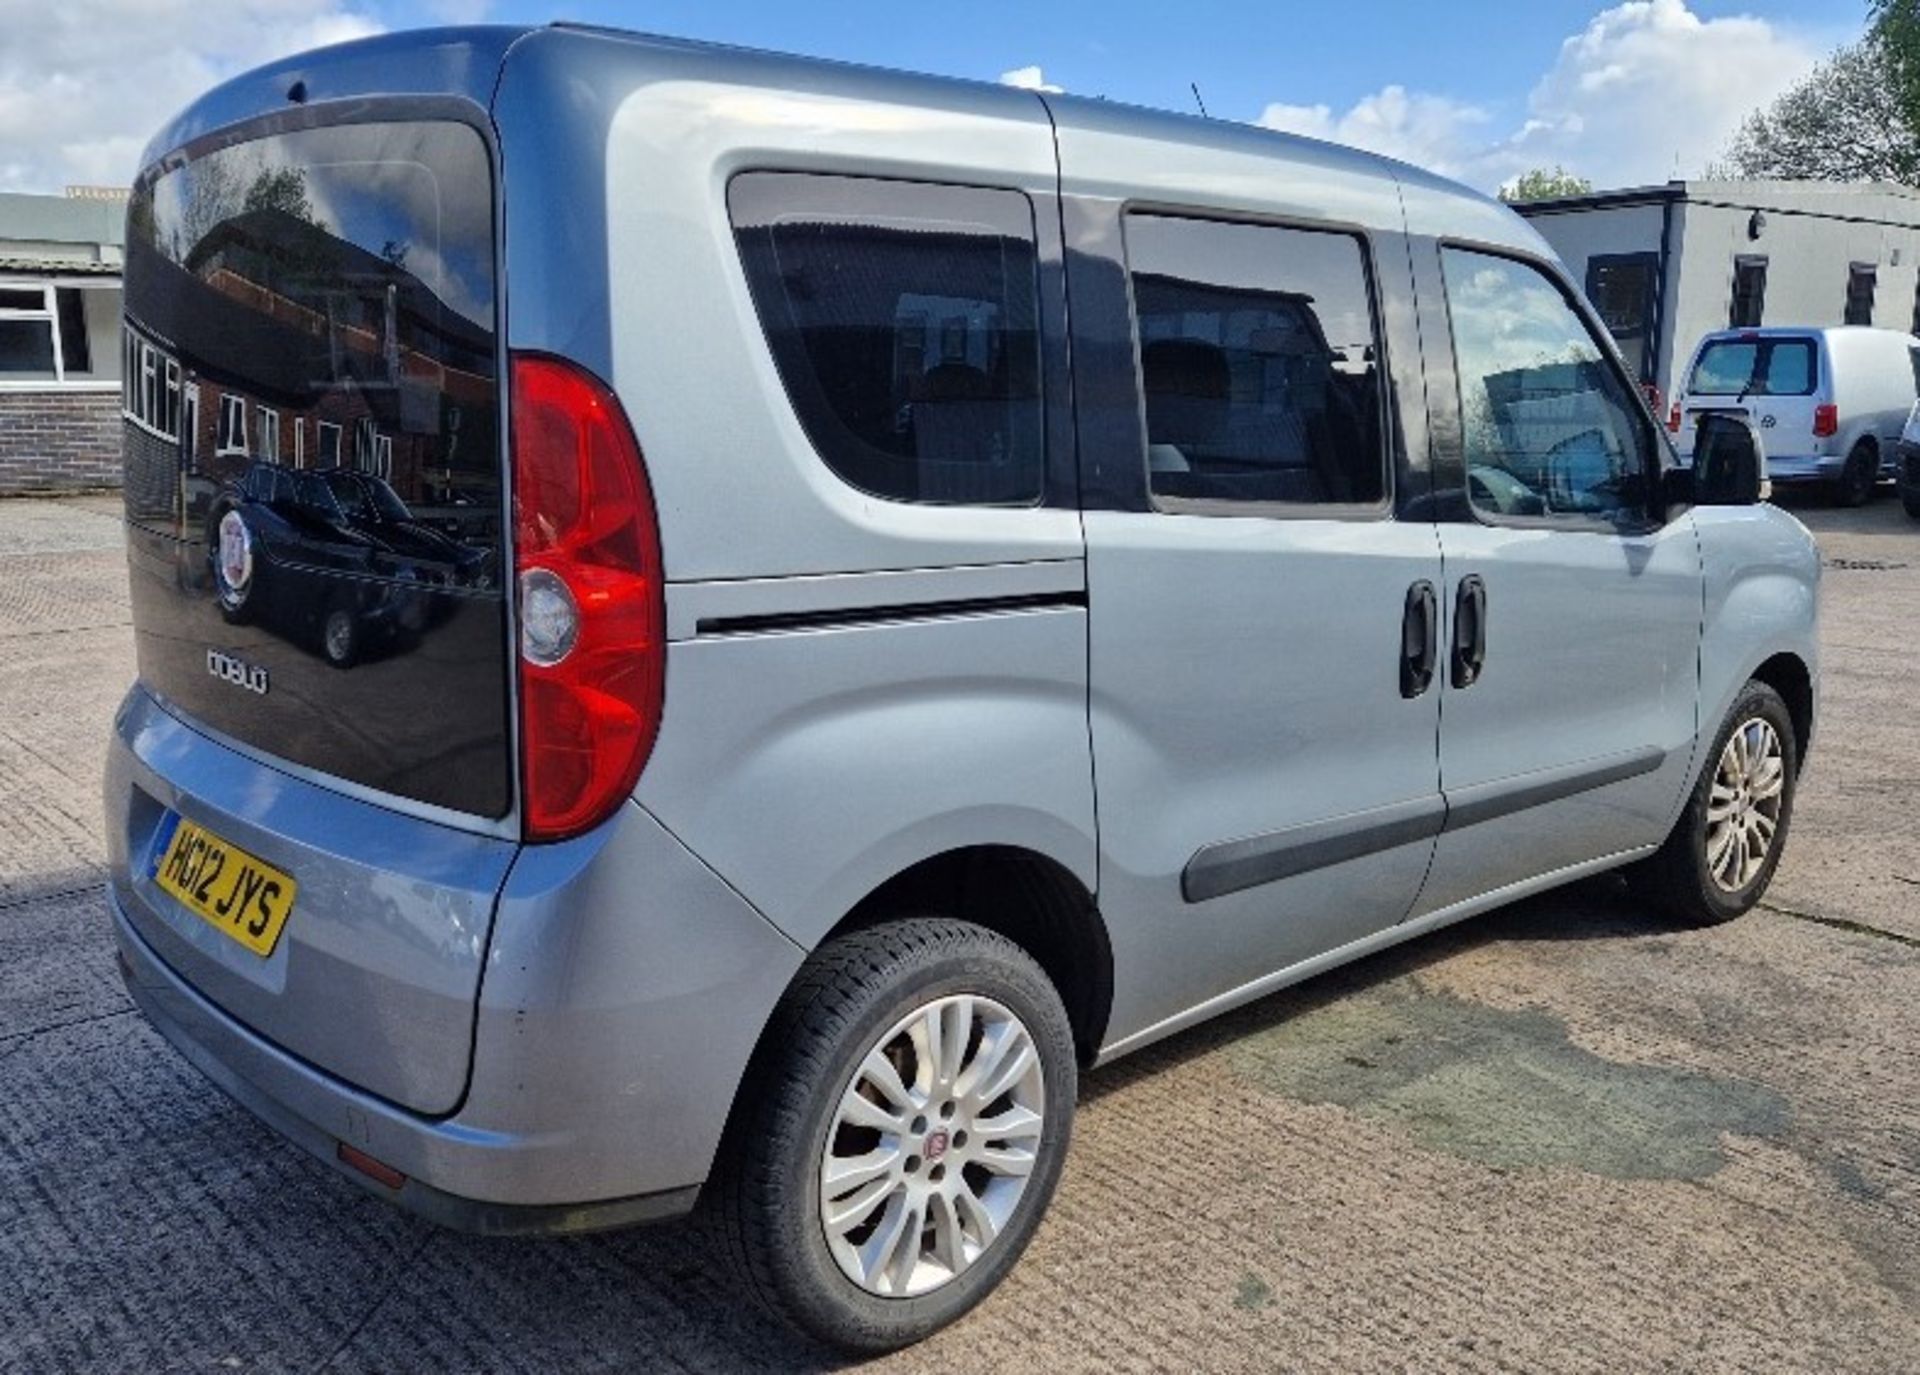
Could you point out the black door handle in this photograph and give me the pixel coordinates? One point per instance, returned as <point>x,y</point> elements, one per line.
<point>1419,639</point>
<point>1469,631</point>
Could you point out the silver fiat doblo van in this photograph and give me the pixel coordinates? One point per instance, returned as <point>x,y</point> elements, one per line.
<point>715,628</point>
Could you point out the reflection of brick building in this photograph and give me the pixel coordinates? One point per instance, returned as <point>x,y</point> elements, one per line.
<point>59,312</point>
<point>310,352</point>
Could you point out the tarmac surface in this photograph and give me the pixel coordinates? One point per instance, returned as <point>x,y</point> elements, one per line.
<point>1561,1137</point>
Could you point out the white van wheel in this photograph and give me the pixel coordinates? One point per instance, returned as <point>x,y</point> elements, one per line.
<point>1860,476</point>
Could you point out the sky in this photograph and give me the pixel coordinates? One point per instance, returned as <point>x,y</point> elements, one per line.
<point>1479,90</point>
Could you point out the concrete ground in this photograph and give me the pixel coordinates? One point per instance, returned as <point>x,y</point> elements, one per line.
<point>1560,1138</point>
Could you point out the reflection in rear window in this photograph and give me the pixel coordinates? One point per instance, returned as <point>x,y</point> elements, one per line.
<point>904,321</point>
<point>1755,367</point>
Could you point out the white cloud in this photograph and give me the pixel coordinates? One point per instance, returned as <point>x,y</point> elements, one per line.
<point>1647,90</point>
<point>85,83</point>
<point>1428,130</point>
<point>1028,79</point>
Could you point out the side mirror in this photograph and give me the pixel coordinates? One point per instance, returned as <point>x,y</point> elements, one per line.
<point>1729,464</point>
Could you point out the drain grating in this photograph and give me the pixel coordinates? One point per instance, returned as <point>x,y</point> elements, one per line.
<point>1865,565</point>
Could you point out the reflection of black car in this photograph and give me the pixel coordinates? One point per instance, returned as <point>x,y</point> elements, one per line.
<point>333,558</point>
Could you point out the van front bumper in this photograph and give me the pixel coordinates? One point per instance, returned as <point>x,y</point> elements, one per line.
<point>625,989</point>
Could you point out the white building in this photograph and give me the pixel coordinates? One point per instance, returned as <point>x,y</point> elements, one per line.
<point>60,350</point>
<point>1666,264</point>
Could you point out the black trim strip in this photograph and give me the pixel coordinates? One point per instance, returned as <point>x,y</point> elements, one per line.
<point>843,616</point>
<point>1505,796</point>
<point>1229,866</point>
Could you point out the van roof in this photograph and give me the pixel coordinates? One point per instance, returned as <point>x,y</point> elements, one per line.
<point>465,61</point>
<point>1802,332</point>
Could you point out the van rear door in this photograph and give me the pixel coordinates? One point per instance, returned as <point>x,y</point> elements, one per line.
<point>314,499</point>
<point>1771,379</point>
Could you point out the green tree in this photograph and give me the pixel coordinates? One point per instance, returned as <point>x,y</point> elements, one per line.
<point>1542,185</point>
<point>1896,28</point>
<point>283,189</point>
<point>1844,122</point>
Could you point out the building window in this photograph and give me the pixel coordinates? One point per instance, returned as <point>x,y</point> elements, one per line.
<point>1622,288</point>
<point>150,393</point>
<point>383,456</point>
<point>1749,293</point>
<point>28,334</point>
<point>267,427</point>
<point>44,335</point>
<point>299,441</point>
<point>329,435</point>
<point>363,437</point>
<point>1861,278</point>
<point>231,438</point>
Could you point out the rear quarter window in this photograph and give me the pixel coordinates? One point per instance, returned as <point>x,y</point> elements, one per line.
<point>904,321</point>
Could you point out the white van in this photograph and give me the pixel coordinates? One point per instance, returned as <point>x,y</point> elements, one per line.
<point>1829,403</point>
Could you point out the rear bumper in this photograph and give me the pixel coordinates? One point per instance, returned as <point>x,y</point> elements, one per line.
<point>1805,467</point>
<point>624,986</point>
<point>290,1096</point>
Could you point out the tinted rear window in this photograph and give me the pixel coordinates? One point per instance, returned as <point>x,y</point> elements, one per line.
<point>1757,367</point>
<point>903,318</point>
<point>332,280</point>
<point>311,352</point>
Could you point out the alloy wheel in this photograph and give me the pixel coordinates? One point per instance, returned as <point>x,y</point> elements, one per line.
<point>932,1145</point>
<point>1743,807</point>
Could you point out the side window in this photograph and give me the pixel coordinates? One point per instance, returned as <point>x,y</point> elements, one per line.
<point>904,320</point>
<point>1551,428</point>
<point>1259,363</point>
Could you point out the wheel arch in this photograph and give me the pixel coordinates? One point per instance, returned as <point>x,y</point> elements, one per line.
<point>1028,897</point>
<point>1787,674</point>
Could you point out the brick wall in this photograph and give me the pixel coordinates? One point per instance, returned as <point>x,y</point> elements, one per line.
<point>58,441</point>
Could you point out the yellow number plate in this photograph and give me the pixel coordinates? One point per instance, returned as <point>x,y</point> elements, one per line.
<point>229,889</point>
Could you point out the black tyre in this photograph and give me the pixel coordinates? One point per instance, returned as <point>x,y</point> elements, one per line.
<point>900,1133</point>
<point>1910,498</point>
<point>1723,850</point>
<point>1859,477</point>
<point>340,637</point>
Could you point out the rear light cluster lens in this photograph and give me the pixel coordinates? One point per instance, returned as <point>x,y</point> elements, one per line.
<point>1673,418</point>
<point>1826,421</point>
<point>591,598</point>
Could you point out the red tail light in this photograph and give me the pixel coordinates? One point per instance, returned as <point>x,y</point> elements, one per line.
<point>1826,421</point>
<point>1673,418</point>
<point>592,605</point>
